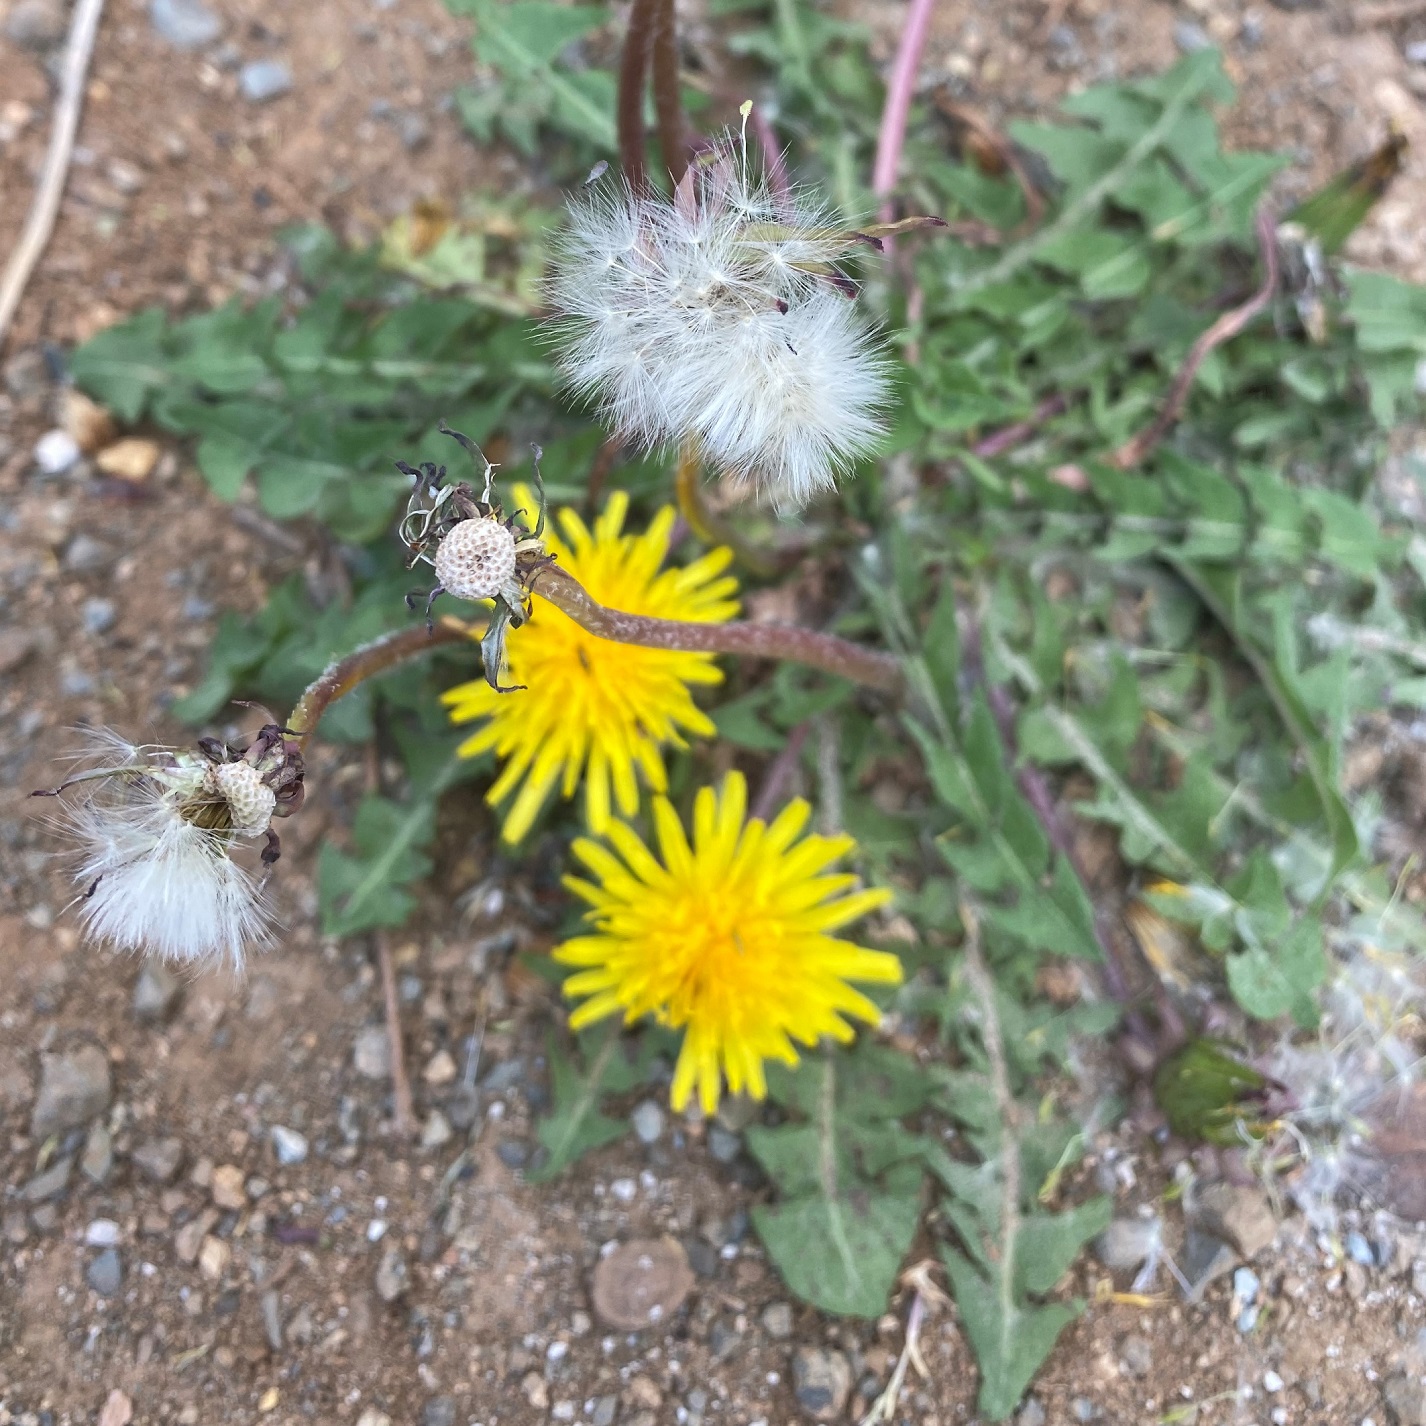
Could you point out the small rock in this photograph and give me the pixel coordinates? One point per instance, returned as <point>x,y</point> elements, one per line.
<point>1136,1355</point>
<point>106,1273</point>
<point>723,1339</point>
<point>724,1146</point>
<point>1031,1413</point>
<point>98,615</point>
<point>1272,1382</point>
<point>1237,1214</point>
<point>1359,1250</point>
<point>624,1190</point>
<point>1416,52</point>
<point>436,1130</point>
<point>16,645</point>
<point>131,459</point>
<point>702,1257</point>
<point>271,1312</point>
<point>414,130</point>
<point>117,1410</point>
<point>87,421</point>
<point>1204,1260</point>
<point>606,1410</point>
<point>1127,1242</point>
<point>36,24</point>
<point>74,1088</point>
<point>27,373</point>
<point>440,1068</point>
<point>159,1159</point>
<point>55,452</point>
<point>227,1187</point>
<point>213,1258</point>
<point>156,993</point>
<point>85,554</point>
<point>49,1184</point>
<point>101,1233</point>
<point>440,1411</point>
<point>512,1153</point>
<point>1083,1409</point>
<point>1191,37</point>
<point>189,1239</point>
<point>641,1283</point>
<point>289,1146</point>
<point>372,1417</point>
<point>264,79</point>
<point>821,1382</point>
<point>1405,1397</point>
<point>185,24</point>
<point>371,1053</point>
<point>1418,1277</point>
<point>777,1321</point>
<point>647,1120</point>
<point>392,1277</point>
<point>98,1158</point>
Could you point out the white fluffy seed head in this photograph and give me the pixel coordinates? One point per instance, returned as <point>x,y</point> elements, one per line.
<point>712,319</point>
<point>250,800</point>
<point>476,560</point>
<point>153,874</point>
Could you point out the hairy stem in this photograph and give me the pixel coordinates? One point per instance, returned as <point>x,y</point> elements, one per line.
<point>898,103</point>
<point>668,102</point>
<point>870,667</point>
<point>344,674</point>
<point>629,110</point>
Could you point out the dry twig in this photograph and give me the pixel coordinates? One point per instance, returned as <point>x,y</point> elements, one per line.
<point>40,224</point>
<point>403,1109</point>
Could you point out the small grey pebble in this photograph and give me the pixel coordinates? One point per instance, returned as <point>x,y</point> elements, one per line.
<point>36,24</point>
<point>1360,1251</point>
<point>436,1130</point>
<point>606,1408</point>
<point>505,1075</point>
<point>289,1146</point>
<point>1136,1355</point>
<point>777,1320</point>
<point>513,1154</point>
<point>98,1158</point>
<point>56,452</point>
<point>185,24</point>
<point>156,993</point>
<point>98,615</point>
<point>724,1146</point>
<point>821,1381</point>
<point>159,1159</point>
<point>195,610</point>
<point>264,79</point>
<point>1084,1409</point>
<point>76,684</point>
<point>1191,37</point>
<point>371,1053</point>
<point>723,1339</point>
<point>271,1319</point>
<point>101,1233</point>
<point>413,130</point>
<point>85,554</point>
<point>702,1257</point>
<point>74,1088</point>
<point>392,1276</point>
<point>1416,52</point>
<point>106,1273</point>
<point>1030,1414</point>
<point>647,1120</point>
<point>410,989</point>
<point>1126,1242</point>
<point>440,1411</point>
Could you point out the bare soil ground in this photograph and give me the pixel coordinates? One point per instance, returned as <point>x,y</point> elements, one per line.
<point>369,1278</point>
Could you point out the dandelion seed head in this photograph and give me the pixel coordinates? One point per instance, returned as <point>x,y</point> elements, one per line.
<point>716,318</point>
<point>476,560</point>
<point>156,831</point>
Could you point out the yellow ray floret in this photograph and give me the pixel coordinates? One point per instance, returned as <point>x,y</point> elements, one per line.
<point>726,938</point>
<point>592,708</point>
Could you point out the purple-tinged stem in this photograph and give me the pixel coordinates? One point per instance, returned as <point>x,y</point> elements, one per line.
<point>898,103</point>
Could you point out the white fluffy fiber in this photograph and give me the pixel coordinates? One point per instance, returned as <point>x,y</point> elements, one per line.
<point>692,319</point>
<point>161,884</point>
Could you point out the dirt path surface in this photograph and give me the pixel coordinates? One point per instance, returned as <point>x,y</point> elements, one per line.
<point>205,1215</point>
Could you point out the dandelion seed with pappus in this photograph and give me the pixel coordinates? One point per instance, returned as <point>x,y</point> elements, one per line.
<point>722,319</point>
<point>157,829</point>
<point>726,938</point>
<point>589,708</point>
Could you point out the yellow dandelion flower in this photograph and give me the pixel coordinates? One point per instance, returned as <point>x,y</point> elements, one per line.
<point>590,707</point>
<point>726,938</point>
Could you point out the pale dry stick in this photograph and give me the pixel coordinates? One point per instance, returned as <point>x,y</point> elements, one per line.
<point>1388,12</point>
<point>40,224</point>
<point>897,109</point>
<point>1133,451</point>
<point>403,1108</point>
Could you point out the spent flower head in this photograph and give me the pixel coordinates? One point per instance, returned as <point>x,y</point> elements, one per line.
<point>157,829</point>
<point>726,937</point>
<point>722,318</point>
<point>590,708</point>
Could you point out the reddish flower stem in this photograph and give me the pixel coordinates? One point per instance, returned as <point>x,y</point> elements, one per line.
<point>629,109</point>
<point>898,103</point>
<point>869,667</point>
<point>668,102</point>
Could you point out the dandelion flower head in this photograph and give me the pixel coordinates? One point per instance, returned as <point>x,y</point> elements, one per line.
<point>156,830</point>
<point>720,318</point>
<point>590,708</point>
<point>727,938</point>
